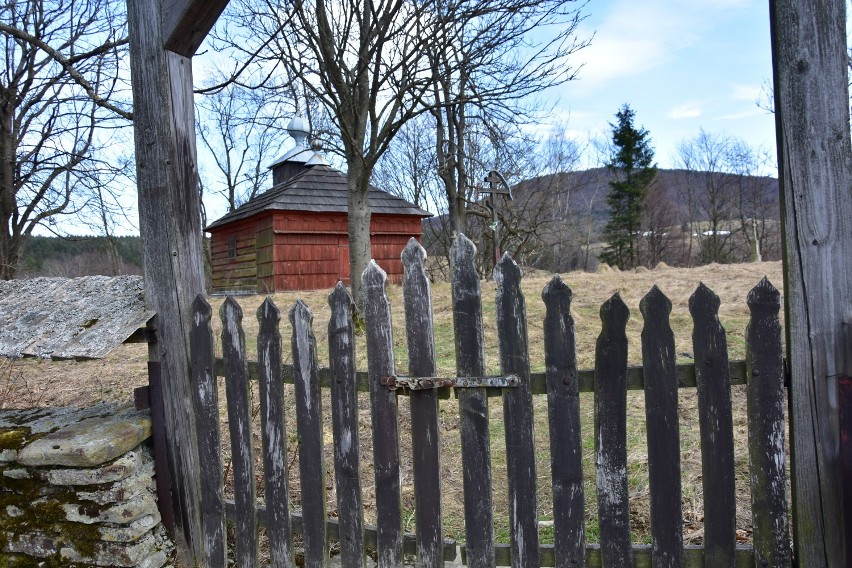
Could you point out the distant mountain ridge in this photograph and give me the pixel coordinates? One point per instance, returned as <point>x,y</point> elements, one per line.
<point>588,189</point>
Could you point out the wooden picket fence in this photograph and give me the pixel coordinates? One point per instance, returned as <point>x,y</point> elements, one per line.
<point>562,382</point>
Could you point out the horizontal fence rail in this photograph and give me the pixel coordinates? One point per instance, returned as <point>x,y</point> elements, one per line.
<point>660,379</point>
<point>634,378</point>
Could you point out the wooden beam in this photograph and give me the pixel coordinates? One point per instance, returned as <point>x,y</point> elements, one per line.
<point>170,226</point>
<point>815,173</point>
<point>187,22</point>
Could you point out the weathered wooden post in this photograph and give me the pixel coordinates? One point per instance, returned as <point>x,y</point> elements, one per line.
<point>170,221</point>
<point>815,172</point>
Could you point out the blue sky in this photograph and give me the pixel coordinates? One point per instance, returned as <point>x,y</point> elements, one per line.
<point>681,65</point>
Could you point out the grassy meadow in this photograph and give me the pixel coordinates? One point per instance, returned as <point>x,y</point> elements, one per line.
<point>30,382</point>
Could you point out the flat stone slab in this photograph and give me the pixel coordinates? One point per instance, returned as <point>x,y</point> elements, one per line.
<point>119,491</point>
<point>129,533</point>
<point>46,420</point>
<point>89,443</point>
<point>122,468</point>
<point>121,513</point>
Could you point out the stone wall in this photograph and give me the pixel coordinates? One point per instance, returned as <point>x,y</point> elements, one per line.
<point>77,489</point>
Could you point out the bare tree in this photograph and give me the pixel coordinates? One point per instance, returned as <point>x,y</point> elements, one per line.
<point>486,67</point>
<point>365,65</point>
<point>732,202</point>
<point>105,185</point>
<point>376,66</point>
<point>659,218</point>
<point>409,167</point>
<point>241,128</point>
<point>710,193</point>
<point>758,207</point>
<point>61,93</point>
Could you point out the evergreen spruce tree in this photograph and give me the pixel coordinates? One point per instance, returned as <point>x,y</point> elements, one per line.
<point>631,164</point>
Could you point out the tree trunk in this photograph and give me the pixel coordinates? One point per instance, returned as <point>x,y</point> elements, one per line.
<point>359,229</point>
<point>9,245</point>
<point>815,174</point>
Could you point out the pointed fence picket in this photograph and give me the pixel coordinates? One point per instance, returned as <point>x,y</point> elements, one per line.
<point>715,422</point>
<point>344,408</point>
<point>473,406</point>
<point>661,411</point>
<point>562,382</point>
<point>611,434</point>
<point>383,414</point>
<point>274,435</point>
<point>425,434</point>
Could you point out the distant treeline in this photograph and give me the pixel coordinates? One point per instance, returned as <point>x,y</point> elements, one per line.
<point>80,256</point>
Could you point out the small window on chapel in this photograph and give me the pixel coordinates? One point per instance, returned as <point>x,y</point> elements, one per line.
<point>232,247</point>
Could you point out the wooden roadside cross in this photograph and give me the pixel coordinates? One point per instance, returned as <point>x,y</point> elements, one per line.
<point>497,185</point>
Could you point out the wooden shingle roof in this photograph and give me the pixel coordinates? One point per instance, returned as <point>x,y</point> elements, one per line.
<point>318,188</point>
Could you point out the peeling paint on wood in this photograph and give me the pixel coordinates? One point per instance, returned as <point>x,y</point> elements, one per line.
<point>473,405</point>
<point>69,318</point>
<point>424,408</point>
<point>344,409</point>
<point>274,436</point>
<point>206,409</point>
<point>611,434</point>
<point>517,414</point>
<point>239,425</point>
<point>766,400</point>
<point>663,432</point>
<point>563,412</point>
<point>309,425</point>
<point>715,421</point>
<point>383,406</point>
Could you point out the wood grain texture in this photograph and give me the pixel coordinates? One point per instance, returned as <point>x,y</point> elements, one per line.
<point>187,22</point>
<point>425,435</point>
<point>239,426</point>
<point>344,414</point>
<point>473,405</point>
<point>274,436</point>
<point>170,227</point>
<point>517,414</point>
<point>611,434</point>
<point>563,414</point>
<point>309,426</point>
<point>206,408</point>
<point>810,68</point>
<point>663,432</point>
<point>767,457</point>
<point>715,423</point>
<point>383,406</point>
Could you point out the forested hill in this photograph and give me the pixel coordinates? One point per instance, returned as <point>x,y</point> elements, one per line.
<point>80,256</point>
<point>586,190</point>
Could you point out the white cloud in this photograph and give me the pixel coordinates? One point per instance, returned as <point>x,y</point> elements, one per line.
<point>743,114</point>
<point>687,110</point>
<point>745,92</point>
<point>633,38</point>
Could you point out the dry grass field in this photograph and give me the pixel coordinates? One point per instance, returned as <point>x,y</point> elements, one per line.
<point>31,382</point>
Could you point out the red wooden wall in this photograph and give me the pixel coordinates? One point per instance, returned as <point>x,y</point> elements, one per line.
<point>294,250</point>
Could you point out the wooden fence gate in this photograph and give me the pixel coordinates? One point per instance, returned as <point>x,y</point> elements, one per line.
<point>562,382</point>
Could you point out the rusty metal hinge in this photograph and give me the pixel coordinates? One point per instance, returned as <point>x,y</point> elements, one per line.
<point>423,383</point>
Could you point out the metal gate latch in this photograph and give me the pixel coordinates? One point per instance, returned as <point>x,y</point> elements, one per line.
<point>423,383</point>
